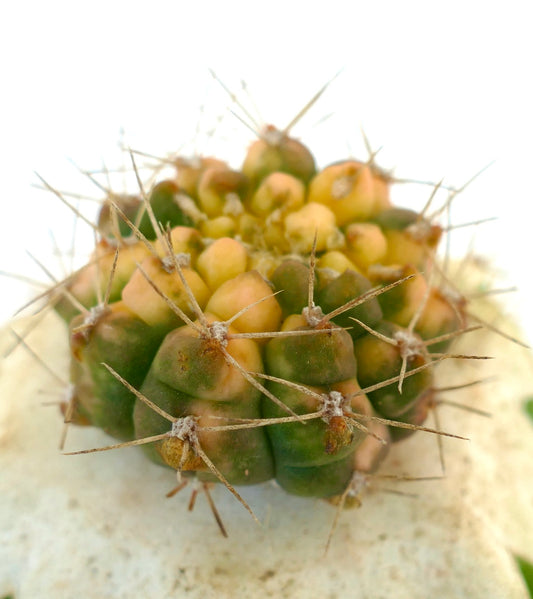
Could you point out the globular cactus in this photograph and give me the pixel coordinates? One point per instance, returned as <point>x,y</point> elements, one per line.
<point>279,321</point>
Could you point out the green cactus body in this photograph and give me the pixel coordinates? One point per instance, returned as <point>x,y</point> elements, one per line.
<point>127,345</point>
<point>164,204</point>
<point>380,360</point>
<point>244,320</point>
<point>343,289</point>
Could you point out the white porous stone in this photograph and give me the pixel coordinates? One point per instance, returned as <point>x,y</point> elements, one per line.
<point>99,525</point>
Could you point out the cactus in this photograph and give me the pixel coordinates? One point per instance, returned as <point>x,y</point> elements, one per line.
<point>274,322</point>
<point>279,321</point>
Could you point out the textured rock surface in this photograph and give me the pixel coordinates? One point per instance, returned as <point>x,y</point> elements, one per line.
<point>100,526</point>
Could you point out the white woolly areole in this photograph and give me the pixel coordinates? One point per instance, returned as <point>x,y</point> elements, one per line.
<point>193,161</point>
<point>272,136</point>
<point>94,315</point>
<point>336,240</point>
<point>233,205</point>
<point>188,207</point>
<point>68,393</point>
<point>185,429</point>
<point>219,332</point>
<point>341,187</point>
<point>313,315</point>
<point>275,216</point>
<point>182,258</point>
<point>330,272</point>
<point>386,272</point>
<point>419,230</point>
<point>409,344</point>
<point>333,404</point>
<point>452,295</point>
<point>358,484</point>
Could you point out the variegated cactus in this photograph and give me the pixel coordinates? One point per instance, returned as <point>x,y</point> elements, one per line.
<point>280,321</point>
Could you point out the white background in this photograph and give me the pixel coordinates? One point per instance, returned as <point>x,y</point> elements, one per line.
<point>444,87</point>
